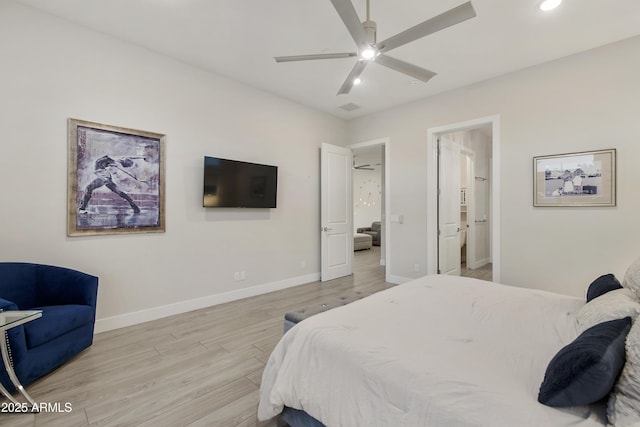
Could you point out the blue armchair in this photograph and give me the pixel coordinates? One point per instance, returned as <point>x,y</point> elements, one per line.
<point>67,299</point>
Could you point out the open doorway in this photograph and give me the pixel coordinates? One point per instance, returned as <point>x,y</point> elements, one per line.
<point>464,199</point>
<point>370,203</point>
<point>463,203</point>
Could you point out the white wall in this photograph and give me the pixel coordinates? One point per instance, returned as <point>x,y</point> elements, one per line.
<point>53,70</point>
<point>584,102</point>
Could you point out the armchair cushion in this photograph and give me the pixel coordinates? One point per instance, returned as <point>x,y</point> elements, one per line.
<point>56,321</point>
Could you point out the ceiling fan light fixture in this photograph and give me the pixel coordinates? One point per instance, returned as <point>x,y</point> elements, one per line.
<point>547,5</point>
<point>369,53</point>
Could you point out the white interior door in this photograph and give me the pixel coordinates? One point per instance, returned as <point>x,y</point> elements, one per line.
<point>449,206</point>
<point>336,212</point>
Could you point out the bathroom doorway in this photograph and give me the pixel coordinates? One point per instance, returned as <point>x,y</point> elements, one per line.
<point>475,196</point>
<point>463,195</point>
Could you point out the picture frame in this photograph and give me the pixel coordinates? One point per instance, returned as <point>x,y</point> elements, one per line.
<point>116,180</point>
<point>580,179</point>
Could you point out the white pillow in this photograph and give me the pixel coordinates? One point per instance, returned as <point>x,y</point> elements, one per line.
<point>623,409</point>
<point>615,304</point>
<point>632,278</point>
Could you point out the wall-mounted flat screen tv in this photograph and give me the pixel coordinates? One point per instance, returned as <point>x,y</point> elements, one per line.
<point>236,184</point>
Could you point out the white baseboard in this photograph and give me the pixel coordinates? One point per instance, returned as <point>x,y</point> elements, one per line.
<point>480,263</point>
<point>136,317</point>
<point>397,280</point>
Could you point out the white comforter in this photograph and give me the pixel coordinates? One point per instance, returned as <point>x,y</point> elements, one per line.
<point>437,351</point>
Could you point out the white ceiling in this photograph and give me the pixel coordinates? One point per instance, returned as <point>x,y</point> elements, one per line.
<point>239,38</point>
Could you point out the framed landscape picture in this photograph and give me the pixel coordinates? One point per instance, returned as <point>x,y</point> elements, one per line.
<point>115,180</point>
<point>575,179</point>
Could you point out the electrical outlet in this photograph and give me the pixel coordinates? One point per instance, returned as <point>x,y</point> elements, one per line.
<point>303,265</point>
<point>416,268</point>
<point>236,276</point>
<point>243,275</point>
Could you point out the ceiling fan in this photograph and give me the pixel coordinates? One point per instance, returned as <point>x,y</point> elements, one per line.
<point>363,167</point>
<point>369,50</point>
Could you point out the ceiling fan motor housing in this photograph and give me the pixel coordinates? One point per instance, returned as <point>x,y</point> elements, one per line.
<point>370,29</point>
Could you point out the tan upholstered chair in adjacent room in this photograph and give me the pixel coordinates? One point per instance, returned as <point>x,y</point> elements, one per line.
<point>373,231</point>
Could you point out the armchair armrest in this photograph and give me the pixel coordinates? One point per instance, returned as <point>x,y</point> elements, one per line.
<point>60,286</point>
<point>363,229</point>
<point>7,305</point>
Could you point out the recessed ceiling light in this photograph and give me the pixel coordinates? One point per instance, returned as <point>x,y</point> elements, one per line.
<point>549,4</point>
<point>357,81</point>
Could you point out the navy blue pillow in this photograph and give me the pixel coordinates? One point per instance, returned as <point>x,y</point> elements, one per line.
<point>586,370</point>
<point>602,285</point>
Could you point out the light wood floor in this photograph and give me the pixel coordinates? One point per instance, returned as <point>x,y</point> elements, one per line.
<point>483,273</point>
<point>201,368</point>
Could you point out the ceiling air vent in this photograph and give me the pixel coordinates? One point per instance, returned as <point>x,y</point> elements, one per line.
<point>350,106</point>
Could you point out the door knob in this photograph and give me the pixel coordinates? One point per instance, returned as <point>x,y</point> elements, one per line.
<point>325,229</point>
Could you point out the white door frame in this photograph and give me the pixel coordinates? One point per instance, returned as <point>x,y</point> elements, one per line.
<point>386,220</point>
<point>432,190</point>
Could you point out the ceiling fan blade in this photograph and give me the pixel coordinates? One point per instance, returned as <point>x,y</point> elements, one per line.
<point>404,67</point>
<point>311,57</point>
<point>447,19</point>
<point>350,19</point>
<point>355,72</point>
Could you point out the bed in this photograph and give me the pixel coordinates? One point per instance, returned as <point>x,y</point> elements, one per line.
<point>437,351</point>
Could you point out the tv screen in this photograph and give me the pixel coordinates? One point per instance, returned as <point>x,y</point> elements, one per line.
<point>236,184</point>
